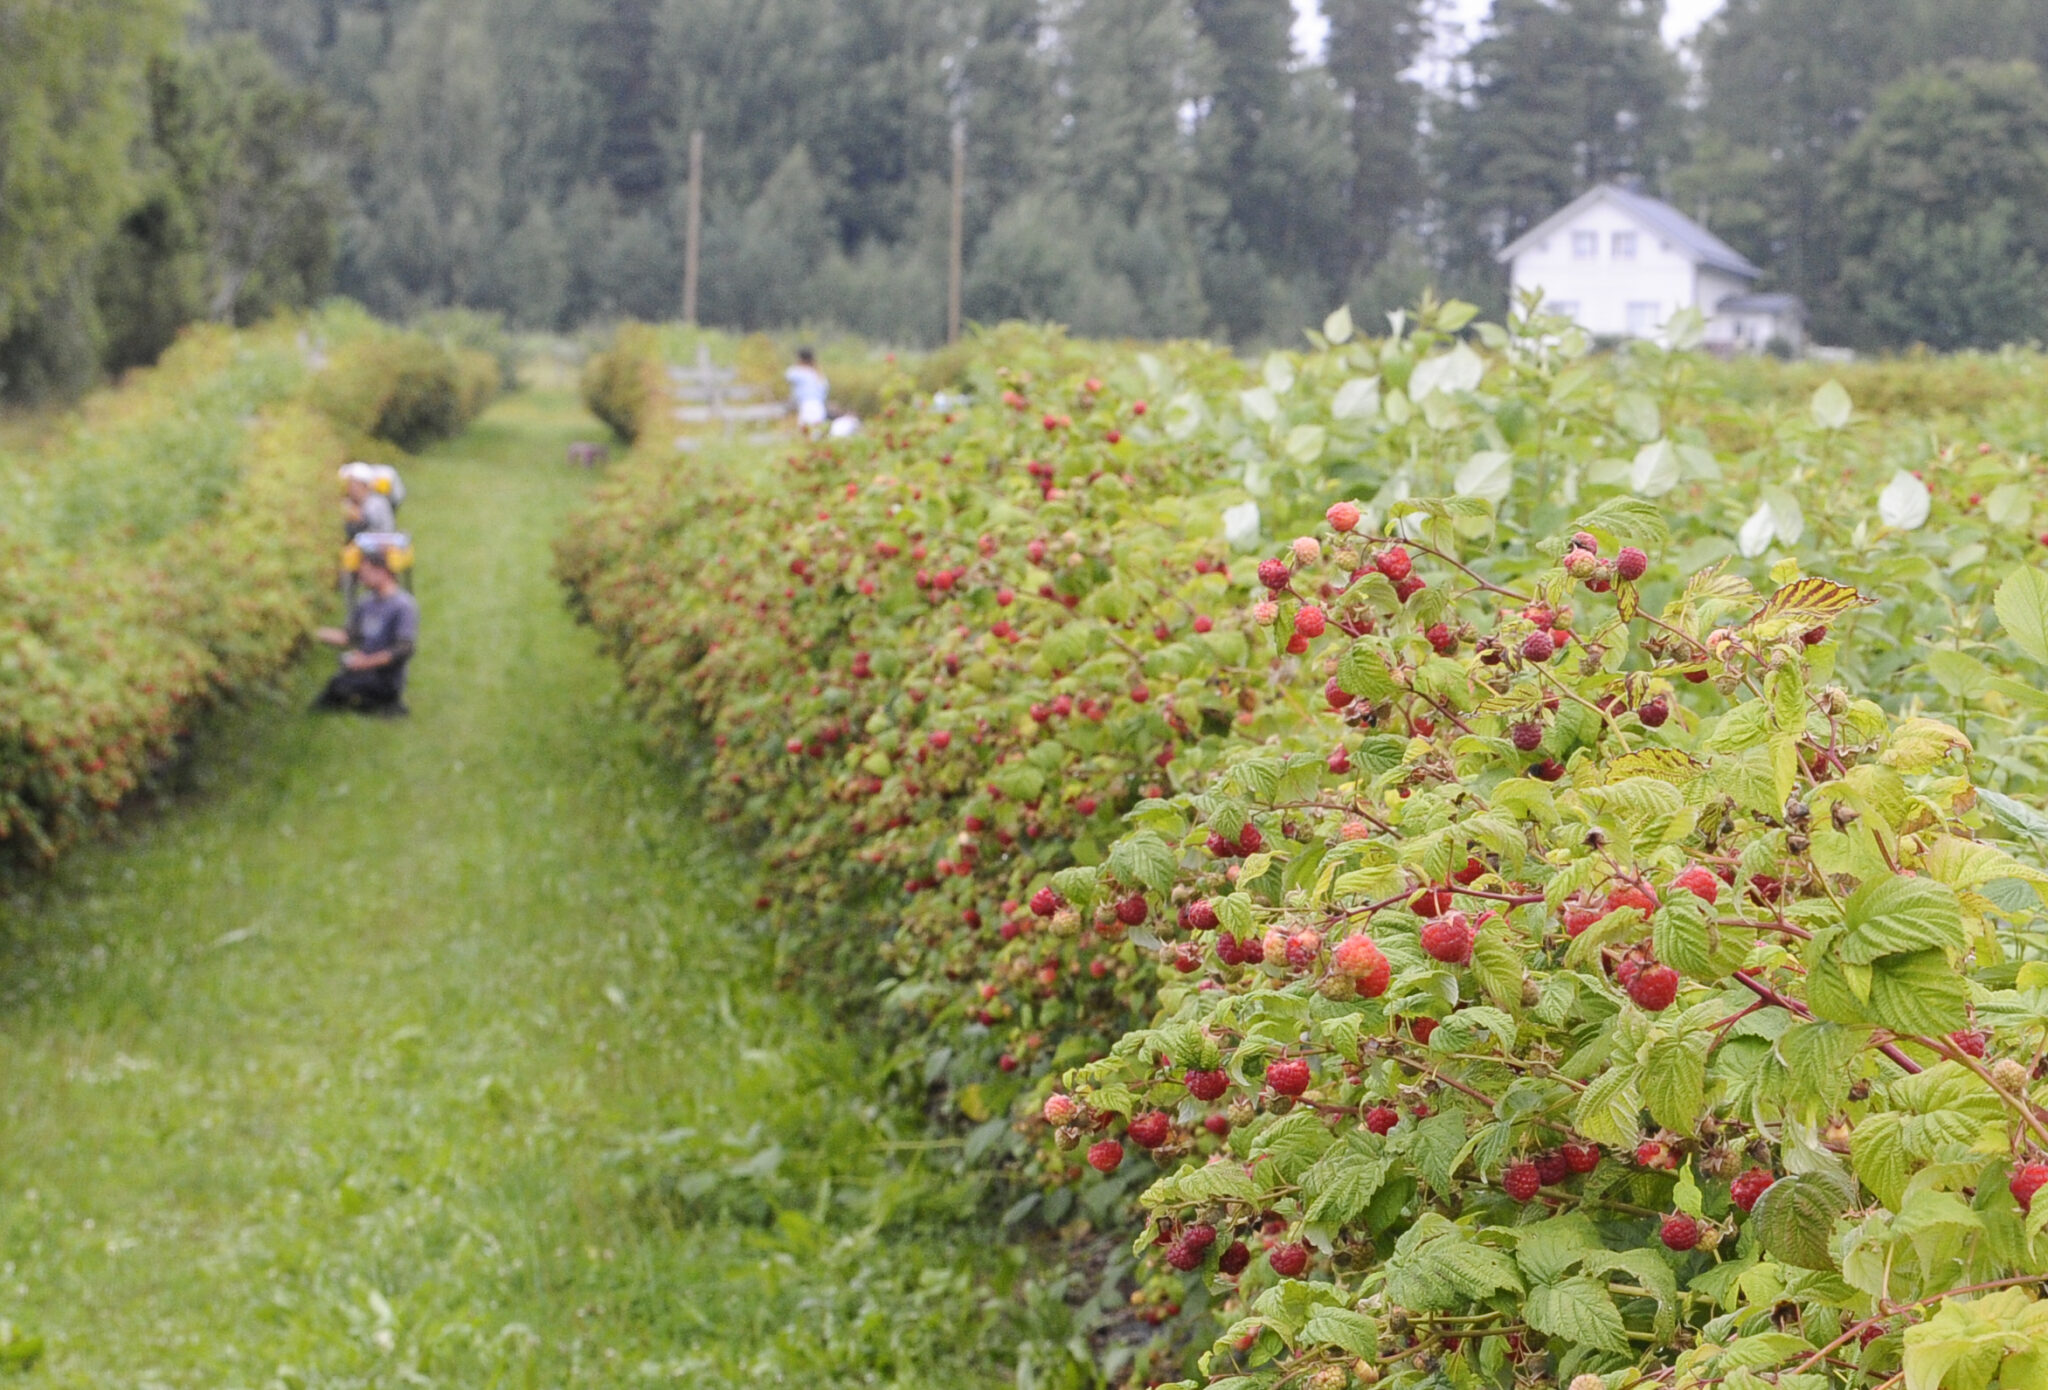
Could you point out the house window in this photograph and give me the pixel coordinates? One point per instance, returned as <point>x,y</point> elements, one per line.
<point>1643,316</point>
<point>1585,246</point>
<point>1624,246</point>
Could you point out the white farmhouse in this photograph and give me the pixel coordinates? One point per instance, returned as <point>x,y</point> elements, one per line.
<point>1621,263</point>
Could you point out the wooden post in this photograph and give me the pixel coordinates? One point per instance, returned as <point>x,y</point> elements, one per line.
<point>953,257</point>
<point>693,227</point>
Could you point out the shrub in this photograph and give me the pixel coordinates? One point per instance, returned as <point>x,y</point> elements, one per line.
<point>618,382</point>
<point>115,641</point>
<point>1541,806</point>
<point>404,388</point>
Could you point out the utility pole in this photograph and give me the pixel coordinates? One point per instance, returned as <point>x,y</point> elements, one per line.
<point>959,231</point>
<point>694,227</point>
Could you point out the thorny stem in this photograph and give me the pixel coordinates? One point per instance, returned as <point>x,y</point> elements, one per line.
<point>1794,1007</point>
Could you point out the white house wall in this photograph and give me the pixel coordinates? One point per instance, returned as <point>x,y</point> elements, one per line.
<point>1601,292</point>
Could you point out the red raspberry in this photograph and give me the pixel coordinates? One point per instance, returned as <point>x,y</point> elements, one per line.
<point>1630,564</point>
<point>1474,870</point>
<point>1749,1186</point>
<point>1586,541</point>
<point>1700,882</point>
<point>1308,621</point>
<point>1342,516</point>
<point>1577,919</point>
<point>1408,586</point>
<point>1184,1256</point>
<point>1430,901</point>
<point>1249,840</point>
<point>1655,1153</point>
<point>1654,711</point>
<point>1201,915</point>
<point>2027,1179</point>
<point>1060,1109</point>
<point>1359,958</point>
<point>1381,1119</point>
<point>1234,1259</point>
<point>1552,1167</point>
<point>1538,646</point>
<point>1549,770</point>
<point>1814,636</point>
<point>1220,847</point>
<point>1631,895</point>
<point>1303,947</point>
<point>1131,911</point>
<point>1527,735</point>
<point>1273,574</point>
<point>1218,1125</point>
<point>1201,1235</point>
<point>1288,1076</point>
<point>1206,1085</point>
<point>1339,760</point>
<point>1422,1028</point>
<point>1521,1181</point>
<point>1654,988</point>
<point>1541,615</point>
<point>1442,638</point>
<point>1969,1041</point>
<point>1581,1158</point>
<point>1044,903</point>
<point>1288,1260</point>
<point>1335,695</point>
<point>1394,563</point>
<point>1149,1130</point>
<point>1679,1232</point>
<point>1105,1155</point>
<point>1448,938</point>
<point>1870,1333</point>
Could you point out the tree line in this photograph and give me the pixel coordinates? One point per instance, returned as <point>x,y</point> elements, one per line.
<point>1153,167</point>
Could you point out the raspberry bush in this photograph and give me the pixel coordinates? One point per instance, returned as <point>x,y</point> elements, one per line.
<point>1388,830</point>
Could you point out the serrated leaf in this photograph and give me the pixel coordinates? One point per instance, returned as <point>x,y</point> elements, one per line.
<point>1339,1185</point>
<point>1918,993</point>
<point>1577,1310</point>
<point>1353,1333</point>
<point>1795,1218</point>
<point>1608,1109</point>
<point>1895,915</point>
<point>1805,603</point>
<point>1627,521</point>
<point>1674,1081</point>
<point>1143,858</point>
<point>1549,1248</point>
<point>2022,607</point>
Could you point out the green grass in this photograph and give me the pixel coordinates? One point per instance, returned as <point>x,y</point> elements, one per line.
<point>441,1052</point>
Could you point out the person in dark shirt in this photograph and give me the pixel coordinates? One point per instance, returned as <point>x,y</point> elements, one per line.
<point>383,626</point>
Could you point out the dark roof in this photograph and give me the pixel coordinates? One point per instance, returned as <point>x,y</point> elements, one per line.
<point>1762,304</point>
<point>1667,221</point>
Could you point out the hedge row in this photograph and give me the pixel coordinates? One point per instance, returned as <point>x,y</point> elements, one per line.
<point>169,551</point>
<point>1511,893</point>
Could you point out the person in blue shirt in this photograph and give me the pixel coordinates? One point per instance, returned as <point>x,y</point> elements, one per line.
<point>808,389</point>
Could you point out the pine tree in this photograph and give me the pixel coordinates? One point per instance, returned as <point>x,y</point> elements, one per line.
<point>1559,95</point>
<point>1372,46</point>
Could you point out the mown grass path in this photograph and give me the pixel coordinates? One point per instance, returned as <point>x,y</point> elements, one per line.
<point>435,1052</point>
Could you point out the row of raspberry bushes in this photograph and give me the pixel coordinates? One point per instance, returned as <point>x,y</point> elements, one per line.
<point>168,550</point>
<point>936,667</point>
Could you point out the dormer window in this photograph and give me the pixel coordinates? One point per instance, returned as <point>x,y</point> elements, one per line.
<point>1624,246</point>
<point>1585,246</point>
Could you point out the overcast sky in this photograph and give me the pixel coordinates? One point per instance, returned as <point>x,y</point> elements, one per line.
<point>1681,19</point>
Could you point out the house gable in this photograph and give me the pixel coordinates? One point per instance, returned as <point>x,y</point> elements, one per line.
<point>1621,264</point>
